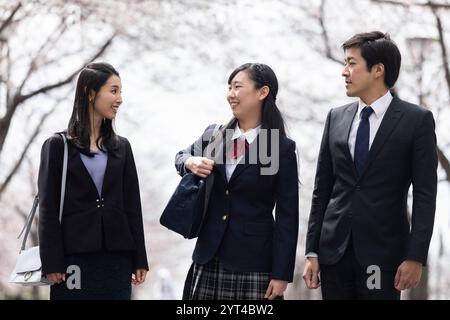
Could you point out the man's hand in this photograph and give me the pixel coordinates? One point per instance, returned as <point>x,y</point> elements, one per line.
<point>408,275</point>
<point>311,273</point>
<point>139,276</point>
<point>275,289</point>
<point>200,166</point>
<point>56,277</point>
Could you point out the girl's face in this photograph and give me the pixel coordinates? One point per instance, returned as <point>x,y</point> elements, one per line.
<point>108,98</point>
<point>244,98</point>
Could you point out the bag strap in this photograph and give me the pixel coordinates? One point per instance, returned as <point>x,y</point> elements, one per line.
<point>216,139</point>
<point>64,178</point>
<point>30,217</point>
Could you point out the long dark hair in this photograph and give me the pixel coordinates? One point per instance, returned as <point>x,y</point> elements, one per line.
<point>262,75</point>
<point>92,77</point>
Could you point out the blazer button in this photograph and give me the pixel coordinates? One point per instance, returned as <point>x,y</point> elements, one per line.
<point>98,200</point>
<point>103,199</point>
<point>103,205</point>
<point>227,192</point>
<point>98,206</point>
<point>225,217</point>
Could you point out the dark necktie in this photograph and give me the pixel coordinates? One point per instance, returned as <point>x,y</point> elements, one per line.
<point>362,140</point>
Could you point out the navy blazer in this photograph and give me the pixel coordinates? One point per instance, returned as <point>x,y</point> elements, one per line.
<point>239,227</point>
<point>90,222</point>
<point>372,207</point>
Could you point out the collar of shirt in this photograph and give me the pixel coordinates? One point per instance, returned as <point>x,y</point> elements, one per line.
<point>250,135</point>
<point>379,106</point>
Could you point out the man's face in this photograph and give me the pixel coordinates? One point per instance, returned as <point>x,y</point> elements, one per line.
<point>358,80</point>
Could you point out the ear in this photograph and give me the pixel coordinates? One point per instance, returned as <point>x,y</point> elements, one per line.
<point>263,93</point>
<point>91,95</point>
<point>379,70</point>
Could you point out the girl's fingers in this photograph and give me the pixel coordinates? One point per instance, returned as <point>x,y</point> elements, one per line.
<point>268,291</point>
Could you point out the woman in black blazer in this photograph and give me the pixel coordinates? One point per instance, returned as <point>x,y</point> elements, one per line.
<point>242,252</point>
<point>101,233</point>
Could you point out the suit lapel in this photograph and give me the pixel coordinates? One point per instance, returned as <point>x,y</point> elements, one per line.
<point>220,166</point>
<point>347,126</point>
<point>244,163</point>
<point>389,122</point>
<point>110,163</point>
<point>78,163</point>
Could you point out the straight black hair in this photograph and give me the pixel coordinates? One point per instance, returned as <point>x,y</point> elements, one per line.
<point>377,47</point>
<point>92,77</point>
<point>262,75</point>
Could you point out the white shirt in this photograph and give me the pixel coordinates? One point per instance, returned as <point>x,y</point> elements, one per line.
<point>250,136</point>
<point>379,107</point>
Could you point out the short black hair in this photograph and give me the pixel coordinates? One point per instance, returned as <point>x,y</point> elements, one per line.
<point>377,47</point>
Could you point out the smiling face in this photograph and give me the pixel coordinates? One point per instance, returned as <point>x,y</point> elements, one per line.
<point>359,81</point>
<point>244,98</point>
<point>108,98</point>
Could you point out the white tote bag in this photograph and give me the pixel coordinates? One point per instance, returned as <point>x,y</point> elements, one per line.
<point>28,269</point>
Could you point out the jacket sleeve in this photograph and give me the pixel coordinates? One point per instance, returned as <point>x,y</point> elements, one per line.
<point>49,191</point>
<point>323,186</point>
<point>132,205</point>
<point>286,215</point>
<point>424,181</point>
<point>196,149</point>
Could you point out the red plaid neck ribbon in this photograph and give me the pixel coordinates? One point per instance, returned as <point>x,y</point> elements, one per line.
<point>239,146</point>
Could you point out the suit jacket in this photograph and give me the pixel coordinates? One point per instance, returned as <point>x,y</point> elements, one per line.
<point>239,226</point>
<point>90,222</point>
<point>373,207</point>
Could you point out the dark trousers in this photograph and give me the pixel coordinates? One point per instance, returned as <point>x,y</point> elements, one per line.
<point>348,280</point>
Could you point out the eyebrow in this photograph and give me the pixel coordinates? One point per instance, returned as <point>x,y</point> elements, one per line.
<point>349,58</point>
<point>236,81</point>
<point>115,86</point>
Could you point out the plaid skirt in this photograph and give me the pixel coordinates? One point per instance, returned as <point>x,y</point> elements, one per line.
<point>212,282</point>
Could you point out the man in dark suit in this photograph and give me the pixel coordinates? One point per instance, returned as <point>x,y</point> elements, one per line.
<point>359,238</point>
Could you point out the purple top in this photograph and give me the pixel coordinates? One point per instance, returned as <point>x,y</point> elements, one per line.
<point>96,166</point>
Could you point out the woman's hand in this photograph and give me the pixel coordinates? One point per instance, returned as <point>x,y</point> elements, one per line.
<point>199,166</point>
<point>56,277</point>
<point>138,276</point>
<point>275,289</point>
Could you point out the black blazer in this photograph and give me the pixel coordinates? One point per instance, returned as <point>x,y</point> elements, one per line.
<point>90,222</point>
<point>239,226</point>
<point>373,207</point>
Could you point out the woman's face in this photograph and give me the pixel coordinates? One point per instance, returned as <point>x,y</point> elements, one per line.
<point>244,98</point>
<point>109,98</point>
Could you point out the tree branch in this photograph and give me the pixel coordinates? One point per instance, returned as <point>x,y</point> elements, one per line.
<point>31,139</point>
<point>44,89</point>
<point>52,38</point>
<point>5,122</point>
<point>414,4</point>
<point>325,37</point>
<point>10,18</point>
<point>443,46</point>
<point>445,163</point>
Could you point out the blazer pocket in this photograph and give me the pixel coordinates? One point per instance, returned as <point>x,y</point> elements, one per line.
<point>258,228</point>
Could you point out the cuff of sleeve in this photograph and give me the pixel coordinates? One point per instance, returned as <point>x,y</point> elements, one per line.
<point>311,255</point>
